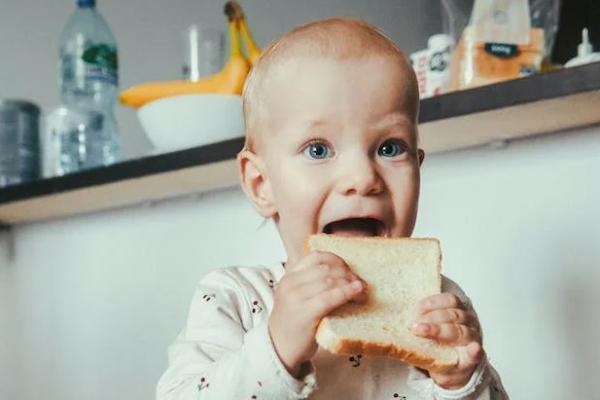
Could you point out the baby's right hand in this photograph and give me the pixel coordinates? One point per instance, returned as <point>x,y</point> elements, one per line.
<point>309,290</point>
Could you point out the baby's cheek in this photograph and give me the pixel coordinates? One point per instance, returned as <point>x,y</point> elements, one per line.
<point>406,196</point>
<point>297,216</point>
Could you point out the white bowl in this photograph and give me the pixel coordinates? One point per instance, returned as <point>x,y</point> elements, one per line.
<point>190,120</point>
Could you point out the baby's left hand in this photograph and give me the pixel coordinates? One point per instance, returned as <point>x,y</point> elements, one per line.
<point>443,317</point>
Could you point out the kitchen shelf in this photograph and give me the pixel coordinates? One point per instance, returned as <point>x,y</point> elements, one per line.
<point>559,100</point>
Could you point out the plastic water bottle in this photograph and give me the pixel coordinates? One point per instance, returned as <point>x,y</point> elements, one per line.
<point>89,79</point>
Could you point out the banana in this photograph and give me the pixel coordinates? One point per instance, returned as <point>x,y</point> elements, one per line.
<point>253,50</point>
<point>230,80</point>
<point>234,11</point>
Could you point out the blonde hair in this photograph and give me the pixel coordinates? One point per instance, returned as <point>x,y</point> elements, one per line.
<point>337,38</point>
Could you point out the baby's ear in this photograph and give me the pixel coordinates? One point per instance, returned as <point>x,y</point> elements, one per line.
<point>255,183</point>
<point>421,156</point>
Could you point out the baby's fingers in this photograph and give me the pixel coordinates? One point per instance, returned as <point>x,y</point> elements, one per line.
<point>454,334</point>
<point>439,301</point>
<point>330,299</point>
<point>470,355</point>
<point>451,316</point>
<point>315,288</point>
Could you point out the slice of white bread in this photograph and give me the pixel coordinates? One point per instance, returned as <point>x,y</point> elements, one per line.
<point>399,272</point>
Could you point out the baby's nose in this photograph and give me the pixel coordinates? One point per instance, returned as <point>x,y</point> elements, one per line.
<point>360,177</point>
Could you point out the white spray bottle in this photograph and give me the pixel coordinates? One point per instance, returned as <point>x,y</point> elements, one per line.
<point>585,52</point>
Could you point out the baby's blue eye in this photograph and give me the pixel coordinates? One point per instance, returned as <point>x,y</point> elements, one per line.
<point>317,151</point>
<point>391,148</point>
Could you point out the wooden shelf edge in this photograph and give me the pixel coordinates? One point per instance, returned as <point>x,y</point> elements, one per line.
<point>544,116</point>
<point>540,87</point>
<point>121,193</point>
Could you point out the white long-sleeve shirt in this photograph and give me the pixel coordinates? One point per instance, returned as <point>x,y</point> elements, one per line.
<point>225,352</point>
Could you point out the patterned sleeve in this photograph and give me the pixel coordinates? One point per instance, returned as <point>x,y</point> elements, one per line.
<point>485,383</point>
<point>217,357</point>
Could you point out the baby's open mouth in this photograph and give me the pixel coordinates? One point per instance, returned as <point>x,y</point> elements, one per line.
<point>356,227</point>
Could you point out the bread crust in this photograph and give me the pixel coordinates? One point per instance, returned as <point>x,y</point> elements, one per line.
<point>338,345</point>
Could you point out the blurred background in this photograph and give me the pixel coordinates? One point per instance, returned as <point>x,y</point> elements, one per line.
<point>149,36</point>
<point>89,304</point>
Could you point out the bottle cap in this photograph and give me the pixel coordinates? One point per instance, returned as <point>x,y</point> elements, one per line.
<point>440,40</point>
<point>585,47</point>
<point>86,3</point>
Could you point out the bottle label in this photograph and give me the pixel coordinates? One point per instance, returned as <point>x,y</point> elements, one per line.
<point>101,63</point>
<point>439,59</point>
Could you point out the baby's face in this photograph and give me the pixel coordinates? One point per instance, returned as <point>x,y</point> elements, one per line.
<point>340,149</point>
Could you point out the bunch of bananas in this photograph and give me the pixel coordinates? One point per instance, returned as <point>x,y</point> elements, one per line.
<point>230,80</point>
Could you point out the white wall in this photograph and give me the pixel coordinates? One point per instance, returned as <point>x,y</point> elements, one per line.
<point>93,302</point>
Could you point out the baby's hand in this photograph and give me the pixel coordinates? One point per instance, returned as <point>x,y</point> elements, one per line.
<point>309,290</point>
<point>443,317</point>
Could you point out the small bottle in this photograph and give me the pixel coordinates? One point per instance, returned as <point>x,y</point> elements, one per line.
<point>89,78</point>
<point>439,48</point>
<point>585,52</point>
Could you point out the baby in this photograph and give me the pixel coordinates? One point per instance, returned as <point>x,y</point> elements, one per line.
<point>331,146</point>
